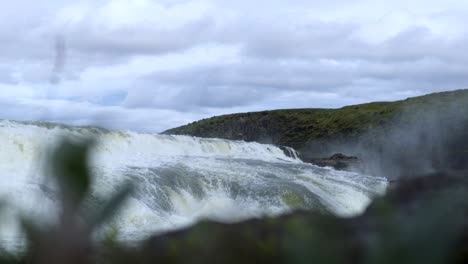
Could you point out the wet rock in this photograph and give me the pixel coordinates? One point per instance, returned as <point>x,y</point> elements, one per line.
<point>338,161</point>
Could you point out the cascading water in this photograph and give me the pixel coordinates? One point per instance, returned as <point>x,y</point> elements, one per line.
<point>180,179</point>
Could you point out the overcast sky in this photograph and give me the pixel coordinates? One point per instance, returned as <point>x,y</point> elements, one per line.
<point>150,65</point>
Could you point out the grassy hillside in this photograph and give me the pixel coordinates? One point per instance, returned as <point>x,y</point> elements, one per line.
<point>290,127</point>
<point>297,127</point>
<point>416,135</point>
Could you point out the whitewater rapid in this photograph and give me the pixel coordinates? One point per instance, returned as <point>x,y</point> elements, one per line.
<point>179,179</point>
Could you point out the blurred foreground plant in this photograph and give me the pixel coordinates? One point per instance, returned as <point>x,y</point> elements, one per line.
<point>69,240</point>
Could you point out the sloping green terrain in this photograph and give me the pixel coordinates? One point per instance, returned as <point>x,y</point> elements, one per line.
<point>297,127</point>
<point>292,127</point>
<point>431,128</point>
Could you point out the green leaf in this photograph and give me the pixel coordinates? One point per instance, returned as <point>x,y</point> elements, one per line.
<point>33,233</point>
<point>110,207</point>
<point>70,168</point>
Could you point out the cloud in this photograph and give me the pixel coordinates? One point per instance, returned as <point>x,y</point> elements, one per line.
<point>182,60</point>
<point>6,75</point>
<point>122,28</point>
<point>85,113</point>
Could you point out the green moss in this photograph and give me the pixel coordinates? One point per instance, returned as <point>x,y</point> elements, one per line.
<point>111,235</point>
<point>293,200</point>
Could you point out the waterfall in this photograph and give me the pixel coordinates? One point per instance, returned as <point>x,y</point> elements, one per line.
<point>179,179</point>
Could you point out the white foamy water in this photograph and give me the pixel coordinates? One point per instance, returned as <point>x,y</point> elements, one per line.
<point>179,179</point>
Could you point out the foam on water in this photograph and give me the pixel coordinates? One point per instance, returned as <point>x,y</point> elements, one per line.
<point>180,179</point>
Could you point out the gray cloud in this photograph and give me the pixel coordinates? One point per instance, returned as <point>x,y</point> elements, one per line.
<point>251,82</point>
<point>138,39</point>
<point>339,42</point>
<point>6,75</point>
<point>195,58</point>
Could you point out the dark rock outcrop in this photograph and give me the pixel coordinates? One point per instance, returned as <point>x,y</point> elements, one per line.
<point>339,162</point>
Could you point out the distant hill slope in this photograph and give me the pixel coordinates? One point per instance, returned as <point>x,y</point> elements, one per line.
<point>322,132</point>
<point>297,127</point>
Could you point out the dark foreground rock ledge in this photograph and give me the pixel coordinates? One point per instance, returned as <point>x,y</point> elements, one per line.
<point>421,220</point>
